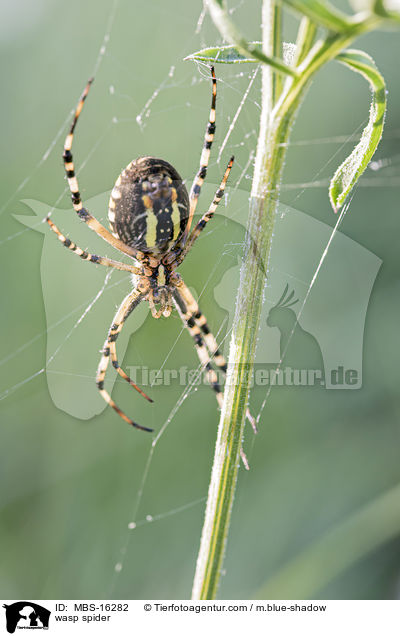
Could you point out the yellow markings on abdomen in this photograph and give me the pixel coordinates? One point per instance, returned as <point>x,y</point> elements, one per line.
<point>151,219</point>
<point>176,220</point>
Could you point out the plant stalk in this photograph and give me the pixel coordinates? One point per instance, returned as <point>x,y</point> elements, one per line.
<point>275,126</point>
<point>267,173</point>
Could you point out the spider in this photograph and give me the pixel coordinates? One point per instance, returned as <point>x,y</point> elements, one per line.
<point>151,215</point>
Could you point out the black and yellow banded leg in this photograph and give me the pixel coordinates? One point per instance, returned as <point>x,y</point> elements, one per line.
<point>205,155</point>
<point>67,155</point>
<point>92,258</point>
<point>207,216</point>
<point>201,349</point>
<point>121,372</point>
<point>127,306</point>
<point>83,214</point>
<point>217,356</point>
<point>191,312</point>
<point>204,357</point>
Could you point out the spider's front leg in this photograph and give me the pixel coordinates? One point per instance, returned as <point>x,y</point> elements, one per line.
<point>83,214</point>
<point>207,216</point>
<point>205,155</point>
<point>131,301</point>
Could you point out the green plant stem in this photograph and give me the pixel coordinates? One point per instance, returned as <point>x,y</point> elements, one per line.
<point>230,433</point>
<point>275,126</point>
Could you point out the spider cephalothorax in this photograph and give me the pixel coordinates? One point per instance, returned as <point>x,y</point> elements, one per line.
<point>150,214</point>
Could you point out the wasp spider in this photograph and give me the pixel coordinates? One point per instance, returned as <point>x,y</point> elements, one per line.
<point>151,216</point>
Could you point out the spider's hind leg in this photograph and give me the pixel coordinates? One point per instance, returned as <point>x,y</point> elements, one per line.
<point>217,356</point>
<point>128,305</point>
<point>196,323</point>
<point>205,344</point>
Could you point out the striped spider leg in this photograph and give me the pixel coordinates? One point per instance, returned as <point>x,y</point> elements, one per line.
<point>207,216</point>
<point>83,214</point>
<point>201,335</point>
<point>129,303</point>
<point>205,342</point>
<point>92,258</point>
<point>204,159</point>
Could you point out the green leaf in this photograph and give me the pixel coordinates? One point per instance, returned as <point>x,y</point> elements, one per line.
<point>348,173</point>
<point>229,54</point>
<point>219,14</point>
<point>322,13</point>
<point>223,55</point>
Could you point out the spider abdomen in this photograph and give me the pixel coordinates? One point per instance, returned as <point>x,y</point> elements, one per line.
<point>149,206</point>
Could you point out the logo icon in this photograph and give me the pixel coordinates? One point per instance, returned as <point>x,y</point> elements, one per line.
<point>298,347</point>
<point>26,615</point>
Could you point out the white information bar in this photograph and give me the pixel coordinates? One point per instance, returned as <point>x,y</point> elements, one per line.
<point>82,618</point>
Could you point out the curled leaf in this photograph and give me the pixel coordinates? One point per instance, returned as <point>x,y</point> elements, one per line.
<point>353,167</point>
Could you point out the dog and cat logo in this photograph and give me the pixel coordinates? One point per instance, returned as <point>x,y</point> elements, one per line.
<point>26,615</point>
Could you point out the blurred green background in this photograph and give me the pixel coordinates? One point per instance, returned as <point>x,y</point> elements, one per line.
<point>69,487</point>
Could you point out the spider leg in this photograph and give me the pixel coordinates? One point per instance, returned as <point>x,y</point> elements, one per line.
<point>205,155</point>
<point>92,258</point>
<point>206,216</point>
<point>83,214</point>
<point>204,356</point>
<point>199,343</point>
<point>196,323</point>
<point>131,301</point>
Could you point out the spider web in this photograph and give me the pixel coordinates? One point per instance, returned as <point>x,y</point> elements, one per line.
<point>237,128</point>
